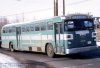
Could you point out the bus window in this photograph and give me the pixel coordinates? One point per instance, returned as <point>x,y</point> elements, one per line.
<point>59,28</point>
<point>27,29</point>
<point>13,29</point>
<point>32,28</point>
<point>88,23</point>
<point>43,26</point>
<point>3,30</point>
<point>23,29</point>
<point>6,31</point>
<point>10,30</point>
<point>50,26</point>
<point>37,28</point>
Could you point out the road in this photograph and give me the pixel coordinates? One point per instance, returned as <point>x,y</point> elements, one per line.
<point>89,59</point>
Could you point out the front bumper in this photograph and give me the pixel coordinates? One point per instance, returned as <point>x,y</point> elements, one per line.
<point>82,49</point>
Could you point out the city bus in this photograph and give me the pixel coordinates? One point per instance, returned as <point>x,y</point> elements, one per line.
<point>70,34</point>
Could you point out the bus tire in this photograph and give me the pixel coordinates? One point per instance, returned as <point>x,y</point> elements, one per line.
<point>11,47</point>
<point>50,50</point>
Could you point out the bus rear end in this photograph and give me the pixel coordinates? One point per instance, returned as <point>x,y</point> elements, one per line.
<point>79,34</point>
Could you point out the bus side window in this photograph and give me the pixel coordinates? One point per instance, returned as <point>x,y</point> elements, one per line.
<point>59,28</point>
<point>32,28</point>
<point>3,31</point>
<point>9,30</point>
<point>50,26</point>
<point>6,30</point>
<point>43,26</point>
<point>23,29</point>
<point>13,29</point>
<point>27,29</point>
<point>37,28</point>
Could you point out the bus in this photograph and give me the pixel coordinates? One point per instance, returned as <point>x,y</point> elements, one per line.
<point>70,34</point>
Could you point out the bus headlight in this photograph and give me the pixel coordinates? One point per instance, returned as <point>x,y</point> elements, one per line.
<point>93,34</point>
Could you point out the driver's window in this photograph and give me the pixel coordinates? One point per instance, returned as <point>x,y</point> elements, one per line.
<point>87,23</point>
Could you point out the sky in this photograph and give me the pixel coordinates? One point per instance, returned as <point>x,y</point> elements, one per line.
<point>44,8</point>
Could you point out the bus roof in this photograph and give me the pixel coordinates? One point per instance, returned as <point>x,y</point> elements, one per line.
<point>53,20</point>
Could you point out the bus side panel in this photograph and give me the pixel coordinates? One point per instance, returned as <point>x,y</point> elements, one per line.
<point>7,38</point>
<point>36,40</point>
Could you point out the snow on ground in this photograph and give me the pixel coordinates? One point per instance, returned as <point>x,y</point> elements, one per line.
<point>9,62</point>
<point>98,43</point>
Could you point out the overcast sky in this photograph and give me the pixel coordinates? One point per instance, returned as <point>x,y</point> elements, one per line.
<point>44,8</point>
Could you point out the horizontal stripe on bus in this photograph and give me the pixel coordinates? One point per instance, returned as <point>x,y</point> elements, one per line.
<point>37,37</point>
<point>29,37</point>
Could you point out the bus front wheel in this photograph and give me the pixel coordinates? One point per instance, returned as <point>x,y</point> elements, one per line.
<point>11,47</point>
<point>50,50</point>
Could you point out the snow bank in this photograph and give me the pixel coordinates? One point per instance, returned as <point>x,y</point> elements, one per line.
<point>98,43</point>
<point>9,62</point>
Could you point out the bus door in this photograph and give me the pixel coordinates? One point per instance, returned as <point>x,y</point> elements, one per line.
<point>18,36</point>
<point>59,37</point>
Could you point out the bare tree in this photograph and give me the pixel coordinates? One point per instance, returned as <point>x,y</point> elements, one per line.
<point>3,21</point>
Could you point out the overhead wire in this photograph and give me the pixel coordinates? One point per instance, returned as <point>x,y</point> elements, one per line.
<point>40,10</point>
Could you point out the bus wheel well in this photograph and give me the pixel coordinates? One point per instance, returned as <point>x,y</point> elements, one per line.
<point>46,47</point>
<point>11,47</point>
<point>49,50</point>
<point>10,44</point>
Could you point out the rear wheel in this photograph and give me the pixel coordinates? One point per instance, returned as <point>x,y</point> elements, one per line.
<point>11,47</point>
<point>50,50</point>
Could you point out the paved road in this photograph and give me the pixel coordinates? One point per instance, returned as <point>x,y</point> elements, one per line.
<point>89,59</point>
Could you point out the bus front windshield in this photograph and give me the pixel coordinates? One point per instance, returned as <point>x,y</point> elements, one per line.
<point>79,24</point>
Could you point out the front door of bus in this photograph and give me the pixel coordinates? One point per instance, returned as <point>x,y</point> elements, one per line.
<point>58,37</point>
<point>18,36</point>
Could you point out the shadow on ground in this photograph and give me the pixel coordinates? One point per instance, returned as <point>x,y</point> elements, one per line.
<point>36,64</point>
<point>85,55</point>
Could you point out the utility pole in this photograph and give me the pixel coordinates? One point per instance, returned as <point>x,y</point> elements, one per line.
<point>55,7</point>
<point>63,7</point>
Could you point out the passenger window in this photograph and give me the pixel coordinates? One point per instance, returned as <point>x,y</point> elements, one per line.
<point>59,28</point>
<point>23,29</point>
<point>50,26</point>
<point>37,28</point>
<point>3,30</point>
<point>9,30</point>
<point>43,26</point>
<point>13,29</point>
<point>6,31</point>
<point>32,28</point>
<point>27,29</point>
